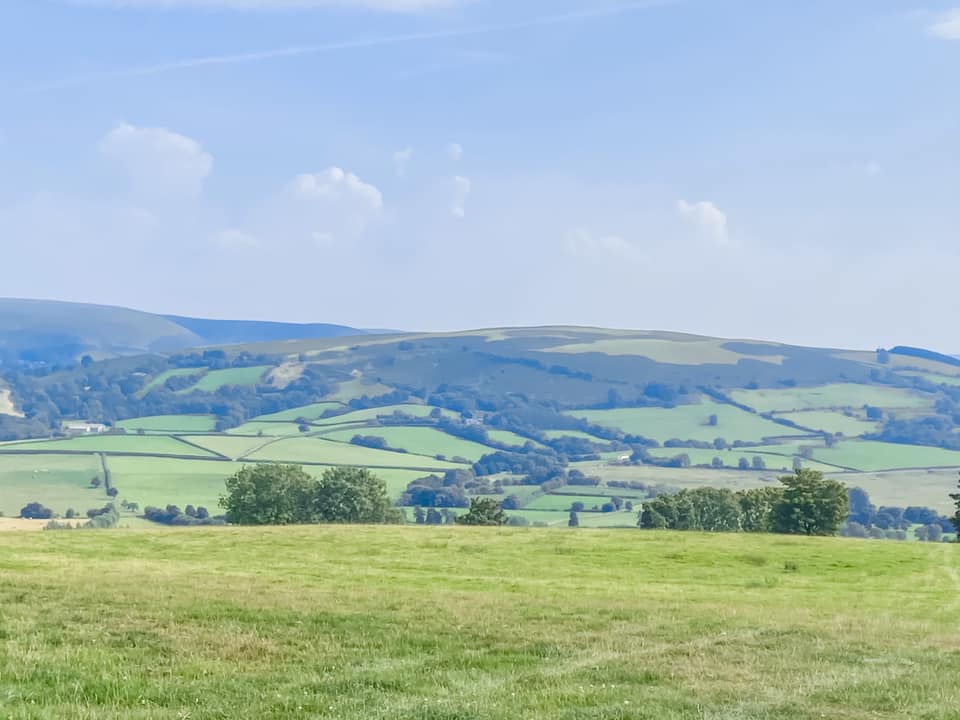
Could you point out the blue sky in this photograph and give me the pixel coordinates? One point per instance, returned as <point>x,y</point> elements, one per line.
<point>747,168</point>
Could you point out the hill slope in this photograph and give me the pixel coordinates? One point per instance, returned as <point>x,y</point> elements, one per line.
<point>528,412</point>
<point>52,332</point>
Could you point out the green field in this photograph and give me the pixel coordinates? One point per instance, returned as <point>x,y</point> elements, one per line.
<point>831,422</point>
<point>475,624</point>
<point>57,481</point>
<point>231,447</point>
<point>823,397</point>
<point>872,456</point>
<point>160,379</point>
<point>355,389</point>
<point>139,444</point>
<point>310,412</point>
<point>328,452</point>
<point>419,440</point>
<point>216,379</point>
<point>419,411</point>
<point>165,481</point>
<point>505,437</point>
<point>170,423</point>
<point>687,422</point>
<point>277,429</point>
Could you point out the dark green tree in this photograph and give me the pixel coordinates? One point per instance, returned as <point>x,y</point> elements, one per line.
<point>483,511</point>
<point>810,505</point>
<point>574,520</point>
<point>269,495</point>
<point>352,495</point>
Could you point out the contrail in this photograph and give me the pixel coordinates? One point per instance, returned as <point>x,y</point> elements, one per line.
<point>360,43</point>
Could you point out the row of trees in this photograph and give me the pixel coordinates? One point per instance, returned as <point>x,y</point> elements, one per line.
<point>806,504</point>
<point>287,495</point>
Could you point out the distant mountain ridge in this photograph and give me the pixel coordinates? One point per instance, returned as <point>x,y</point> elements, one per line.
<point>51,332</point>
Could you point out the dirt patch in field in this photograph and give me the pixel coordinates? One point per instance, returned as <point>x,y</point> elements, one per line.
<point>285,374</point>
<point>6,404</point>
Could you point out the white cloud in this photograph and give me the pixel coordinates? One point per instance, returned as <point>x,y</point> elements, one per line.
<point>583,243</point>
<point>401,159</point>
<point>158,161</point>
<point>399,6</point>
<point>461,190</point>
<point>326,206</point>
<point>708,218</point>
<point>455,151</point>
<point>947,25</point>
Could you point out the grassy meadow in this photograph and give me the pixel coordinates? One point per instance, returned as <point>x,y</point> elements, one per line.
<point>463,624</point>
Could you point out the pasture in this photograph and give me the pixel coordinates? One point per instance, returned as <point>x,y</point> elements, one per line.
<point>169,423</point>
<point>441,623</point>
<point>824,397</point>
<point>687,422</point>
<point>58,481</point>
<point>120,444</point>
<point>872,456</point>
<point>308,412</point>
<point>160,379</point>
<point>424,441</point>
<point>327,452</point>
<point>831,422</point>
<point>675,350</point>
<point>216,379</point>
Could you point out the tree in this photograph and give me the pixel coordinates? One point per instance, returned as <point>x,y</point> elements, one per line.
<point>756,508</point>
<point>269,495</point>
<point>483,511</point>
<point>434,517</point>
<point>861,509</point>
<point>712,421</point>
<point>956,515</point>
<point>574,519</point>
<point>758,463</point>
<point>743,464</point>
<point>810,505</point>
<point>352,495</point>
<point>419,517</point>
<point>36,511</point>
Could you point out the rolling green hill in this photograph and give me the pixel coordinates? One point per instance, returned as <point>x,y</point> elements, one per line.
<point>515,407</point>
<point>50,332</point>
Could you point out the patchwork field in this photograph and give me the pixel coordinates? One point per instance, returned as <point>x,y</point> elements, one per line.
<point>872,456</point>
<point>122,444</point>
<point>839,395</point>
<point>687,422</point>
<point>328,452</point>
<point>831,422</point>
<point>160,379</point>
<point>216,379</point>
<point>441,623</point>
<point>419,440</point>
<point>309,412</point>
<point>690,351</point>
<point>62,481</point>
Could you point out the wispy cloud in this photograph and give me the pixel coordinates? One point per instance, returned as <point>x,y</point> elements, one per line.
<point>947,25</point>
<point>708,218</point>
<point>355,44</point>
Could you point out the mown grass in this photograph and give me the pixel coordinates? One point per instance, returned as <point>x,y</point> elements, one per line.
<point>464,624</point>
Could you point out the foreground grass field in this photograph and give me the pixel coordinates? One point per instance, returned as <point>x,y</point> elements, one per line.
<point>459,623</point>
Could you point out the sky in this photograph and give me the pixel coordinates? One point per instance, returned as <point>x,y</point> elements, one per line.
<point>740,168</point>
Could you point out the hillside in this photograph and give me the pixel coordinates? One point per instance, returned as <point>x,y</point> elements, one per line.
<point>388,622</point>
<point>544,418</point>
<point>50,332</point>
